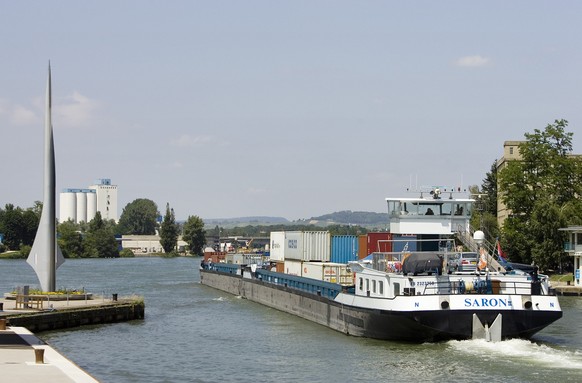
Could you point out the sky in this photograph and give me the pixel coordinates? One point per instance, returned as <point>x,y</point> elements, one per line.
<point>279,108</point>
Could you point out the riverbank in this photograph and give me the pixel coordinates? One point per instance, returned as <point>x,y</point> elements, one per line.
<point>565,289</point>
<point>62,314</point>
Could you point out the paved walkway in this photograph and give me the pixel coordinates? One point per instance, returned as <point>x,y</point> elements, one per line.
<point>24,358</point>
<point>18,355</point>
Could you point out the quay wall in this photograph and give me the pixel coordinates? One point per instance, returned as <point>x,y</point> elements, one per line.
<point>75,317</point>
<point>305,305</point>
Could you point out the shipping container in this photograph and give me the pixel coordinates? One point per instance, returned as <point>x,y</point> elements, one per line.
<point>403,241</point>
<point>328,272</point>
<point>362,246</point>
<point>344,248</point>
<point>303,246</point>
<point>277,246</point>
<point>379,243</point>
<point>293,267</point>
<point>214,257</point>
<point>236,259</point>
<point>280,267</point>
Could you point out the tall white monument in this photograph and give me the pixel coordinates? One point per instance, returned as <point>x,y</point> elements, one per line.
<point>45,256</point>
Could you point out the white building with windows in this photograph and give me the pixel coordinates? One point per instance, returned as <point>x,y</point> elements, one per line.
<point>81,205</point>
<point>574,248</point>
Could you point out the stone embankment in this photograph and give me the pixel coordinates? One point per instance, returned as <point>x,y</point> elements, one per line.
<point>72,313</point>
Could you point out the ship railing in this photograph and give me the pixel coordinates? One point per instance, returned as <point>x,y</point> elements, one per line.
<point>483,286</point>
<point>227,268</point>
<point>313,286</point>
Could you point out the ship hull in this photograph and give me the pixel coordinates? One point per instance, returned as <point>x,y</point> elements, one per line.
<point>410,326</point>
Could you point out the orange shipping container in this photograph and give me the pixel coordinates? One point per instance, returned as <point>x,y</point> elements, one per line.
<point>362,246</point>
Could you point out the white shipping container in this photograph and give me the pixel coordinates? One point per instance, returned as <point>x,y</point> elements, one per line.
<point>277,246</point>
<point>307,245</point>
<point>293,267</point>
<point>236,259</point>
<point>328,271</point>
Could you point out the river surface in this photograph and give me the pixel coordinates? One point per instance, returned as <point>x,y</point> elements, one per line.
<point>193,333</point>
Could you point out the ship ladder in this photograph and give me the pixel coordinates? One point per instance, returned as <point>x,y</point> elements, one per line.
<point>489,333</point>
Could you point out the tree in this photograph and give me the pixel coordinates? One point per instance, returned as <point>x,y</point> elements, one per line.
<point>194,234</point>
<point>70,239</point>
<point>139,218</point>
<point>12,227</point>
<point>100,240</point>
<point>169,231</point>
<point>541,191</point>
<point>489,189</point>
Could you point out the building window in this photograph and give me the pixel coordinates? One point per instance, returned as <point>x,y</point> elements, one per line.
<point>579,238</point>
<point>511,150</point>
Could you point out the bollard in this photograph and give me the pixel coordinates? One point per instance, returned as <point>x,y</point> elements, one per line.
<point>39,355</point>
<point>2,324</point>
<point>114,297</point>
<point>1,306</point>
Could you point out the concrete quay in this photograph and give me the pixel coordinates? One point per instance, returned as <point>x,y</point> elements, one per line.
<point>61,314</point>
<point>565,289</point>
<point>24,358</point>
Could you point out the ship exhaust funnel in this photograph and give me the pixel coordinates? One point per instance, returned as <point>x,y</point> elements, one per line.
<point>490,334</point>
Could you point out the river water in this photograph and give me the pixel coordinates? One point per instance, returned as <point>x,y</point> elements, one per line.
<point>192,333</point>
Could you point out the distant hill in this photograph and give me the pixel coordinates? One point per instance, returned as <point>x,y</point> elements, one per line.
<point>348,217</point>
<point>244,221</point>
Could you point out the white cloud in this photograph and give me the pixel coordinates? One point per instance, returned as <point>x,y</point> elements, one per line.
<point>22,116</point>
<point>187,141</point>
<point>472,61</point>
<point>75,111</point>
<point>18,114</point>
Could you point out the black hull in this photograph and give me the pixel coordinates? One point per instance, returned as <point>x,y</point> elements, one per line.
<point>431,326</point>
<point>409,326</point>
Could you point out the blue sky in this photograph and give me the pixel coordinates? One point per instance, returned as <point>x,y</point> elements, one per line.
<point>280,108</point>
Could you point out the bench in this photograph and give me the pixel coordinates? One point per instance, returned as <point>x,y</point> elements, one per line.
<point>30,302</point>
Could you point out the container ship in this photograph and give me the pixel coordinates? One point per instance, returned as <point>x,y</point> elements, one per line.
<point>428,279</point>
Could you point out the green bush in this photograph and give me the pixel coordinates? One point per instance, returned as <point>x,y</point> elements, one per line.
<point>126,253</point>
<point>171,254</point>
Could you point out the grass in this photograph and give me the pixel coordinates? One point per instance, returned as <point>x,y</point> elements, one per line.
<point>562,277</point>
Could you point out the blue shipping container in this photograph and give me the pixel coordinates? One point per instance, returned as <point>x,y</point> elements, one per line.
<point>344,248</point>
<point>400,241</point>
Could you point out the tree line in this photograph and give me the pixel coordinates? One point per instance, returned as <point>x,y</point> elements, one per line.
<point>99,237</point>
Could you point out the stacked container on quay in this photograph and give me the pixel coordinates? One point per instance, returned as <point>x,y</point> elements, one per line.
<point>397,285</point>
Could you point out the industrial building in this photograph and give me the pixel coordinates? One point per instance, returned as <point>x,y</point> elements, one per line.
<point>81,205</point>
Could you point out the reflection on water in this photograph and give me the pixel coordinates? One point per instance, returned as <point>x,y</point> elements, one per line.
<point>193,333</point>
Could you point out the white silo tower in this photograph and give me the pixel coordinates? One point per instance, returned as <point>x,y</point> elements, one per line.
<point>91,204</point>
<point>68,205</point>
<point>81,206</point>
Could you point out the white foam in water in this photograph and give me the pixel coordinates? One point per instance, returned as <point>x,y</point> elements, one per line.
<point>520,351</point>
<point>219,299</point>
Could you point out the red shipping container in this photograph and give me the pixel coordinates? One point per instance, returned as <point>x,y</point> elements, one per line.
<point>379,243</point>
